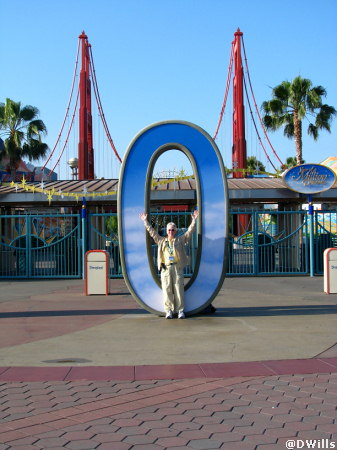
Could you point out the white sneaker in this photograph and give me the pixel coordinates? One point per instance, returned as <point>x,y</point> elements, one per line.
<point>181,315</point>
<point>169,315</point>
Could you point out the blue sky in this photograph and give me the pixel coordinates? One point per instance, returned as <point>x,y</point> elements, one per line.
<point>160,60</point>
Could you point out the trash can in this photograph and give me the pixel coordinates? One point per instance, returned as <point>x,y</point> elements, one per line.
<point>330,270</point>
<point>96,272</point>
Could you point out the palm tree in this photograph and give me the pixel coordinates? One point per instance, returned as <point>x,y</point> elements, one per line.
<point>254,165</point>
<point>291,161</point>
<point>293,102</point>
<point>22,133</point>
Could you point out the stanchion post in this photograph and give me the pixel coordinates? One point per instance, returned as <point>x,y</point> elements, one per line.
<point>311,241</point>
<point>84,233</point>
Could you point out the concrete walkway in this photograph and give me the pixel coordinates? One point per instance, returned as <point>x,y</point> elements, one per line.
<point>257,319</point>
<point>100,372</point>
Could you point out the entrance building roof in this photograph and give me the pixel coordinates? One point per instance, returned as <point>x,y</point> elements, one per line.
<point>241,191</point>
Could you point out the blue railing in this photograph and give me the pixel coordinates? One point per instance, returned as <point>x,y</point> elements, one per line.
<point>40,246</point>
<point>270,242</point>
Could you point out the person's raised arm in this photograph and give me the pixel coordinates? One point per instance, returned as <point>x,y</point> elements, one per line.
<point>152,232</point>
<point>195,214</point>
<point>188,233</point>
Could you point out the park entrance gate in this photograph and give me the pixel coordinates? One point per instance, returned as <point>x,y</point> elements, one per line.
<point>40,246</point>
<point>52,246</point>
<point>274,243</point>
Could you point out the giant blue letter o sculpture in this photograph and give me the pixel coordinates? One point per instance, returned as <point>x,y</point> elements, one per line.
<point>212,199</point>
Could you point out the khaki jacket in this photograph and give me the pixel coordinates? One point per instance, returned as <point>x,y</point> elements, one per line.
<point>179,244</point>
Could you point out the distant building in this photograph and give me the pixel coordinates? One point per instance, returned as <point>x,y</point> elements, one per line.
<point>27,171</point>
<point>42,174</point>
<point>330,162</point>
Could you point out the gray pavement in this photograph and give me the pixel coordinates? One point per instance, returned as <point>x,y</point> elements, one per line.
<point>257,319</point>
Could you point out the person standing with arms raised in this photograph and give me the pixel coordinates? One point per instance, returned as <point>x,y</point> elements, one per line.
<point>171,261</point>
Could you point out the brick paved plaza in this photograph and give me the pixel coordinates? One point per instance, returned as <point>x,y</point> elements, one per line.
<point>228,413</point>
<point>80,404</point>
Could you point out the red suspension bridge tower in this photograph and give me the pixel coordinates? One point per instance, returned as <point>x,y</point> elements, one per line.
<point>88,81</point>
<point>239,150</point>
<point>85,146</point>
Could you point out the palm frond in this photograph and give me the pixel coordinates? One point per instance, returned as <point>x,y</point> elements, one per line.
<point>324,117</point>
<point>36,128</point>
<point>328,111</point>
<point>2,114</point>
<point>320,91</point>
<point>301,111</point>
<point>270,122</point>
<point>12,149</point>
<point>313,131</point>
<point>313,100</point>
<point>282,91</point>
<point>289,130</point>
<point>34,150</point>
<point>28,113</point>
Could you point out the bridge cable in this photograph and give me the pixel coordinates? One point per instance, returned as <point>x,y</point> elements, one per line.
<point>229,76</point>
<point>69,130</point>
<point>257,132</point>
<point>67,110</point>
<point>256,108</point>
<point>99,105</point>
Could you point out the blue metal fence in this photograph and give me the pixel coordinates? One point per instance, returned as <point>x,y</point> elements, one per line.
<point>40,246</point>
<point>272,243</point>
<point>325,236</point>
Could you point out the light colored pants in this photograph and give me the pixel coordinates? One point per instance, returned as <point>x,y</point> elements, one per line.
<point>172,283</point>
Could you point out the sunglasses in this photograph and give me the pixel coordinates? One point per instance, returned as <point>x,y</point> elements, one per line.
<point>172,230</point>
